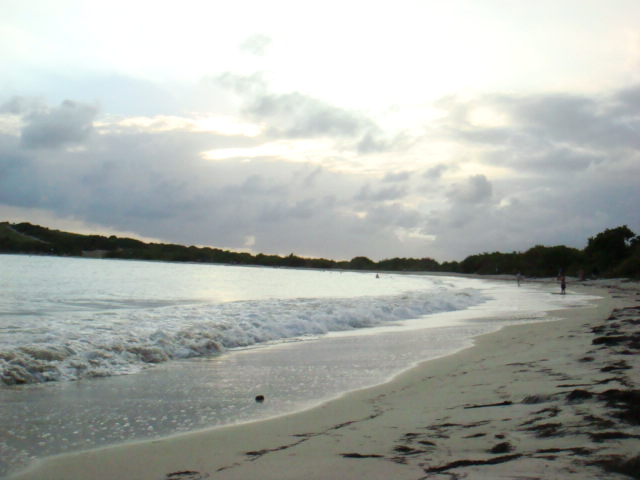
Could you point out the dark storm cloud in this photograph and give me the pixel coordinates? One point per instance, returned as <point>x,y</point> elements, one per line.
<point>70,123</point>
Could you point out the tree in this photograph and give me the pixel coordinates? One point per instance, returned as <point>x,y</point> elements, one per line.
<point>293,261</point>
<point>547,261</point>
<point>609,248</point>
<point>361,263</point>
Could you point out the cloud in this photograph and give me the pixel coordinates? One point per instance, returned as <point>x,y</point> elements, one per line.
<point>396,176</point>
<point>17,184</point>
<point>298,116</point>
<point>256,44</point>
<point>437,171</point>
<point>501,175</point>
<point>548,133</point>
<point>294,115</point>
<point>19,105</point>
<point>563,167</point>
<point>249,86</point>
<point>477,189</point>
<point>156,183</point>
<point>627,101</point>
<point>384,194</point>
<point>384,216</point>
<point>70,123</point>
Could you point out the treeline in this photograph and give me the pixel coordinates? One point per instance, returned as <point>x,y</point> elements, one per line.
<point>612,253</point>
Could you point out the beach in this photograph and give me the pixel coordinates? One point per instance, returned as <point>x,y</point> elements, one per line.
<point>540,400</point>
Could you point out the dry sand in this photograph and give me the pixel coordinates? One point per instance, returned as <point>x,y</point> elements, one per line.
<point>538,401</point>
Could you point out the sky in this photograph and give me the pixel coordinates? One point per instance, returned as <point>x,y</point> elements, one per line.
<point>326,129</point>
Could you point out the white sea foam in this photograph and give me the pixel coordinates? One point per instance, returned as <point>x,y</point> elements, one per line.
<point>119,342</point>
<point>72,330</point>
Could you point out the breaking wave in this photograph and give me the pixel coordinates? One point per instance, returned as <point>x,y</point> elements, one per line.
<point>122,341</point>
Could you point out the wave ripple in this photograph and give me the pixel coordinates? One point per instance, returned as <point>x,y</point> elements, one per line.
<point>122,341</point>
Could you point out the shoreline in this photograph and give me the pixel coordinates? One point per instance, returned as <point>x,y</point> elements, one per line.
<point>463,413</point>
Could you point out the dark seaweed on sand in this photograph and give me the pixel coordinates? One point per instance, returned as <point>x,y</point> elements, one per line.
<point>618,464</point>
<point>626,402</point>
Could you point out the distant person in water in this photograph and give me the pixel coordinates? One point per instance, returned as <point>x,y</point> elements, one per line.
<point>518,278</point>
<point>563,284</point>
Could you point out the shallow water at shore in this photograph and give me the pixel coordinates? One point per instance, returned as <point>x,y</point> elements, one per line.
<point>68,319</point>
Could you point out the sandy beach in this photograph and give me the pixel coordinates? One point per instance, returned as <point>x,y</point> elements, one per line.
<point>535,401</point>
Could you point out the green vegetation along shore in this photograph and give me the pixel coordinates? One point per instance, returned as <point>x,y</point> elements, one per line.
<point>612,253</point>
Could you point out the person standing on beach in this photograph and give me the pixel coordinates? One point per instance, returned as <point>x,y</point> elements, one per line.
<point>563,285</point>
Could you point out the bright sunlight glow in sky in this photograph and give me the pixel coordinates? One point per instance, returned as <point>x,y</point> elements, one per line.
<point>335,129</point>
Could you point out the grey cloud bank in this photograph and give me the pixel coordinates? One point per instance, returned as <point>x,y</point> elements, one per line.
<point>537,169</point>
<point>296,116</point>
<point>69,123</point>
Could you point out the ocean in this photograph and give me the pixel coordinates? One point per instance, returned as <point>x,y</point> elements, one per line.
<point>97,352</point>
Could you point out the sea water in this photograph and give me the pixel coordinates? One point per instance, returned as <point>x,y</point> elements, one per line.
<point>96,352</point>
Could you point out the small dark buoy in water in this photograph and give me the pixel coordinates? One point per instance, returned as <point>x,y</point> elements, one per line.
<point>260,398</point>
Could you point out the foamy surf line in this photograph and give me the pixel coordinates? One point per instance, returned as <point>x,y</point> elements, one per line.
<point>123,341</point>
<point>198,394</point>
